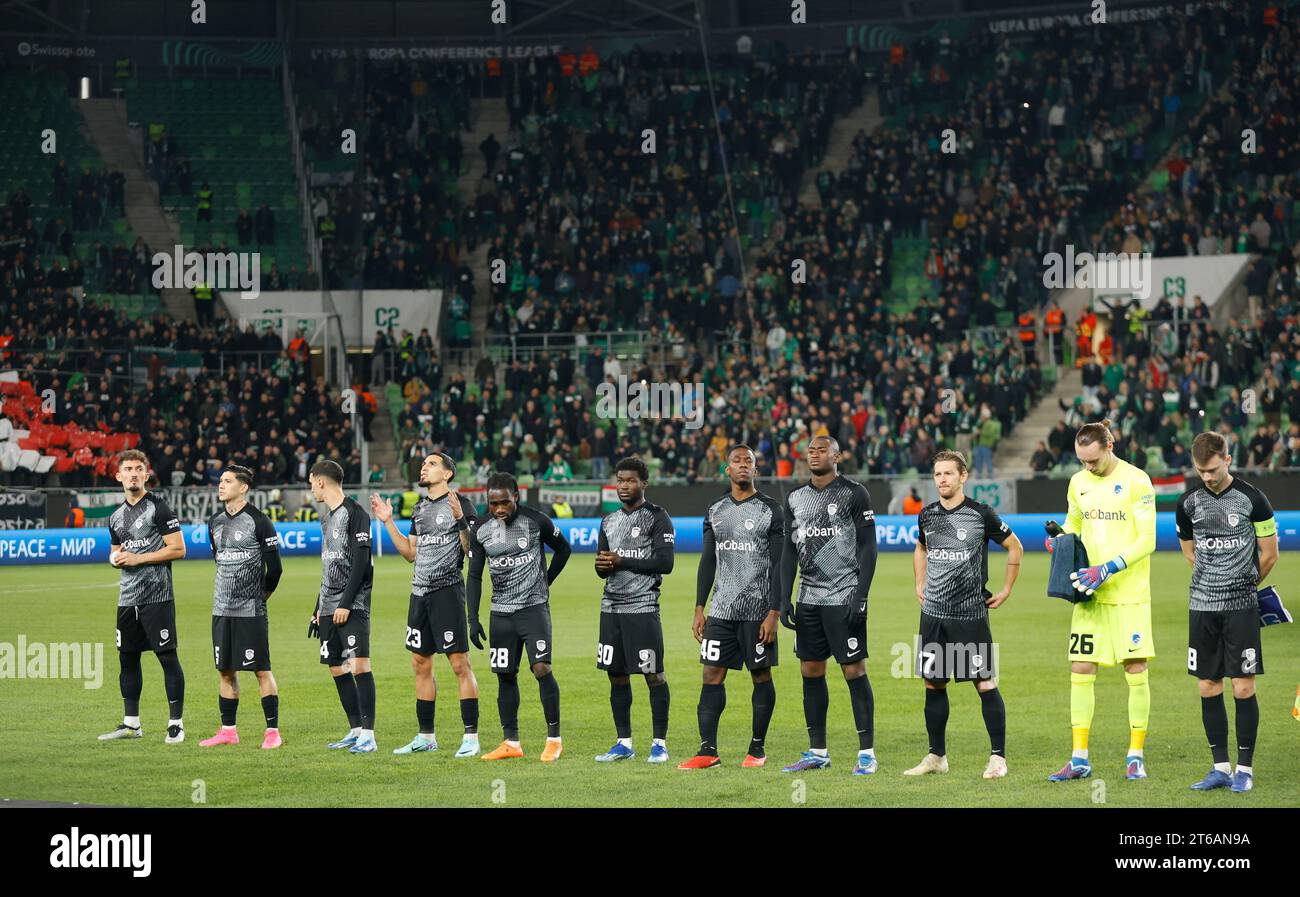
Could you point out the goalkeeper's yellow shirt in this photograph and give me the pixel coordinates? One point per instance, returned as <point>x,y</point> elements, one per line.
<point>1115,515</point>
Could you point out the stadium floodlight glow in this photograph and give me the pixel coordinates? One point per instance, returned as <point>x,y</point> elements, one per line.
<point>85,87</point>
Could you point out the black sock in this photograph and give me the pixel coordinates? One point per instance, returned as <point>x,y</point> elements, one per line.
<point>347,687</point>
<point>864,711</point>
<point>713,700</point>
<point>173,683</point>
<point>1214,716</point>
<point>508,705</point>
<point>424,715</point>
<point>815,702</point>
<point>549,690</point>
<point>763,703</point>
<point>995,720</point>
<point>271,710</point>
<point>469,715</point>
<point>366,699</point>
<point>659,709</point>
<point>1247,729</point>
<point>229,709</point>
<point>131,680</point>
<point>936,719</point>
<point>620,701</point>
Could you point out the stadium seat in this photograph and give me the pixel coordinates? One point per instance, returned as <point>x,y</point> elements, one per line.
<point>45,464</point>
<point>28,459</point>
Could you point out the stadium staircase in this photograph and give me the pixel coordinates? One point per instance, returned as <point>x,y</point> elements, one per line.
<point>383,448</point>
<point>122,150</point>
<point>839,150</point>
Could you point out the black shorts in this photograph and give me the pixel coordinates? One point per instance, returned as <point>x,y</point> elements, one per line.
<point>436,622</point>
<point>820,631</point>
<point>630,638</point>
<point>509,635</point>
<point>240,643</point>
<point>729,643</point>
<point>955,649</point>
<point>147,627</point>
<point>1224,643</point>
<point>340,643</point>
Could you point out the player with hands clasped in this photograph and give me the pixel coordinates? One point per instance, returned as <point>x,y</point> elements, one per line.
<point>1112,507</point>
<point>951,569</point>
<point>830,535</point>
<point>436,618</point>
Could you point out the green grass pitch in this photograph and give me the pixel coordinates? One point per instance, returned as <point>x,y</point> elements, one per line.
<point>49,750</point>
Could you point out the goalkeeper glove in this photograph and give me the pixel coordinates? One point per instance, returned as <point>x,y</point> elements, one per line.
<point>856,612</point>
<point>313,629</point>
<point>476,634</point>
<point>1053,530</point>
<point>1089,579</point>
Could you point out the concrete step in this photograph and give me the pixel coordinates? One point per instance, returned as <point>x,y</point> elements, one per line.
<point>1013,455</point>
<point>839,149</point>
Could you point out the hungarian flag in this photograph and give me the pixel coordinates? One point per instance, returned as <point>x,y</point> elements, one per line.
<point>1168,488</point>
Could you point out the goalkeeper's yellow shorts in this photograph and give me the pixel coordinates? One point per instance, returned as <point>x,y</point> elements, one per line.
<point>1110,634</point>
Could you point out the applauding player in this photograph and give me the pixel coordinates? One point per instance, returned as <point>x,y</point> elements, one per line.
<point>509,542</point>
<point>951,567</point>
<point>436,618</point>
<point>741,564</point>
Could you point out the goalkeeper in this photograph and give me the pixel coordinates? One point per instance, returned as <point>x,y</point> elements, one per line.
<point>1112,508</point>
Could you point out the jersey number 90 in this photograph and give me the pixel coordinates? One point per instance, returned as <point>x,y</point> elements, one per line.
<point>604,654</point>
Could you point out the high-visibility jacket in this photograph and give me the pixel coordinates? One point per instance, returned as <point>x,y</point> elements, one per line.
<point>122,68</point>
<point>1028,332</point>
<point>305,514</point>
<point>567,63</point>
<point>493,67</point>
<point>562,509</point>
<point>204,198</point>
<point>327,228</point>
<point>589,63</point>
<point>203,291</point>
<point>276,512</point>
<point>1054,320</point>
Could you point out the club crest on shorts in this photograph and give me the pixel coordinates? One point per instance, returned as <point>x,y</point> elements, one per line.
<point>636,531</point>
<point>647,663</point>
<point>1233,519</point>
<point>853,644</point>
<point>448,636</point>
<point>522,542</point>
<point>976,661</point>
<point>248,654</point>
<point>541,646</point>
<point>832,508</point>
<point>961,533</point>
<point>1136,638</point>
<point>164,634</point>
<point>352,641</point>
<point>759,649</point>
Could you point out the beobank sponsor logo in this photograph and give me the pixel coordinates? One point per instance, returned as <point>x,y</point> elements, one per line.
<point>26,48</point>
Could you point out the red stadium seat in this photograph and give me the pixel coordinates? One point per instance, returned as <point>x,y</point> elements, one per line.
<point>64,464</point>
<point>84,457</point>
<point>101,466</point>
<point>78,439</point>
<point>58,436</point>
<point>97,440</point>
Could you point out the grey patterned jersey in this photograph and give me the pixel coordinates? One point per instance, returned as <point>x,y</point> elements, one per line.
<point>644,539</point>
<point>956,547</point>
<point>139,529</point>
<point>1224,528</point>
<point>239,544</point>
<point>342,530</point>
<point>512,552</point>
<point>438,555</point>
<point>746,539</point>
<point>821,527</point>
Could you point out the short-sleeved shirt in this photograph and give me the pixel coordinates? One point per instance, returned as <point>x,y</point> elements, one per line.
<point>438,555</point>
<point>1225,528</point>
<point>240,542</point>
<point>512,550</point>
<point>139,529</point>
<point>744,534</point>
<point>956,544</point>
<point>342,529</point>
<point>822,526</point>
<point>637,535</point>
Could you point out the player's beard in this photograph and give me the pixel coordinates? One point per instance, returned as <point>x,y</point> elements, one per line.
<point>424,484</point>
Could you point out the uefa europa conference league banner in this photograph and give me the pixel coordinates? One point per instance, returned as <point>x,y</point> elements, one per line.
<point>893,533</point>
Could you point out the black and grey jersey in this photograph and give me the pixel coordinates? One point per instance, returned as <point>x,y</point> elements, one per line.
<point>821,527</point>
<point>956,544</point>
<point>240,544</point>
<point>344,531</point>
<point>438,555</point>
<point>644,540</point>
<point>512,551</point>
<point>1224,528</point>
<point>745,538</point>
<point>139,529</point>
